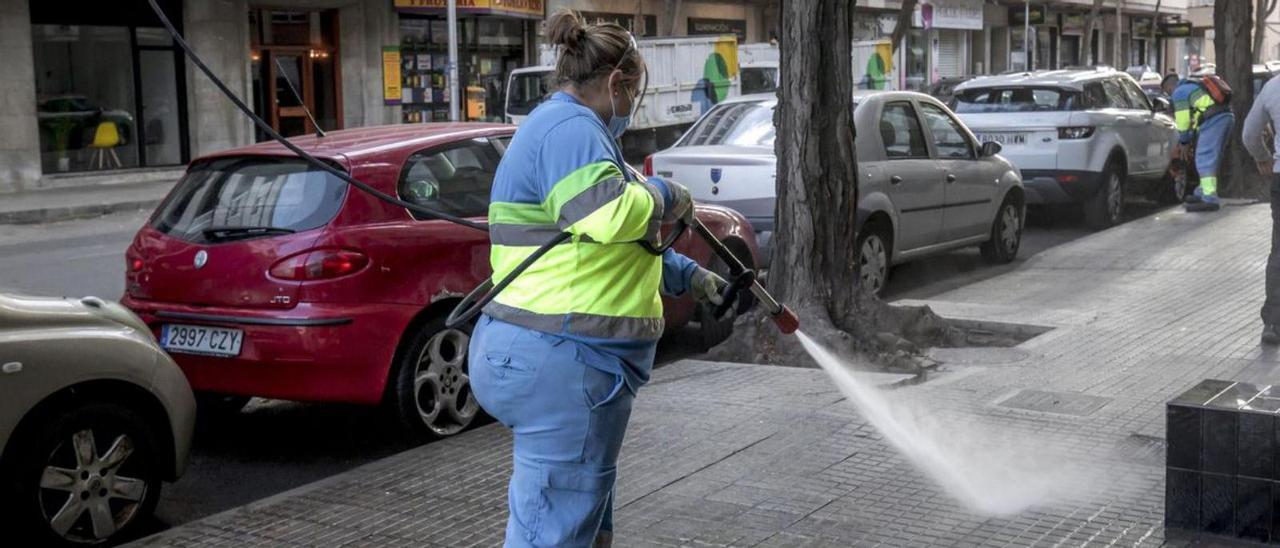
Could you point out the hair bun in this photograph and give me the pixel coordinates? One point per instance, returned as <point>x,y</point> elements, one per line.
<point>565,28</point>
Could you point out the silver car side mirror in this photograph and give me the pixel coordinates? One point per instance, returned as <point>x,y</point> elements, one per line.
<point>991,148</point>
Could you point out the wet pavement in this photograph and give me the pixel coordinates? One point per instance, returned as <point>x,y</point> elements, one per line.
<point>732,455</point>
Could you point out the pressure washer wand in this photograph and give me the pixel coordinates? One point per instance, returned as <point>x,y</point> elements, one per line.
<point>786,320</point>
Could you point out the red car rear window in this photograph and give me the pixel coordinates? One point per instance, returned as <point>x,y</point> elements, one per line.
<point>237,198</point>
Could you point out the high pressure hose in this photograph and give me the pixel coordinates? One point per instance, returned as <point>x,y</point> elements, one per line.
<point>483,294</point>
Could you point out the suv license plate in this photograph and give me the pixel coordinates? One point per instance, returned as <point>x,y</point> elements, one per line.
<point>200,339</point>
<point>1005,139</point>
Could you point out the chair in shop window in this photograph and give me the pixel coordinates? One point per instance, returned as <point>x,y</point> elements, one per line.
<point>105,140</point>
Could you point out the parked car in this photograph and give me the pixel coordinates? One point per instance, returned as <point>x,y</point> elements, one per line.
<point>1078,136</point>
<point>267,277</point>
<point>93,417</point>
<point>926,184</point>
<point>1262,73</point>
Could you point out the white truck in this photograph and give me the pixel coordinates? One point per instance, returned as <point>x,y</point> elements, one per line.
<point>759,66</point>
<point>687,76</point>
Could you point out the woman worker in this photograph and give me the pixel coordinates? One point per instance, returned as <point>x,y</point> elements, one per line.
<point>558,356</point>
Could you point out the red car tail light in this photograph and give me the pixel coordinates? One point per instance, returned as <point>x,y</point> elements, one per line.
<point>648,166</point>
<point>319,264</point>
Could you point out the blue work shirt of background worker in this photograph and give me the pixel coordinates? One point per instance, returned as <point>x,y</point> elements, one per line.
<point>533,162</point>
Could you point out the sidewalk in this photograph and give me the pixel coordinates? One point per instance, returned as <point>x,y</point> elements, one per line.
<point>129,190</point>
<point>742,455</point>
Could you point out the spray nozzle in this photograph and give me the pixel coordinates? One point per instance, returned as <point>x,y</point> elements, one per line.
<point>787,320</point>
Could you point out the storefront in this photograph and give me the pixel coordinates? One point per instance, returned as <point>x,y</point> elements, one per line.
<point>647,25</point>
<point>109,85</point>
<point>295,68</point>
<point>939,44</point>
<point>494,38</point>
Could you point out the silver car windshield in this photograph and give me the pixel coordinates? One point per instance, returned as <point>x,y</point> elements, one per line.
<point>737,124</point>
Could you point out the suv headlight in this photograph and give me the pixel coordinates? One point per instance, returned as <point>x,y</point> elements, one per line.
<point>1075,132</point>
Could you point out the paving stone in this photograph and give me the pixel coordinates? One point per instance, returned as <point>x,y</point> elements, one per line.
<point>742,455</point>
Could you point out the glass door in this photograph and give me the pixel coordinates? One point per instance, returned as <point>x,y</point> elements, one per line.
<point>291,89</point>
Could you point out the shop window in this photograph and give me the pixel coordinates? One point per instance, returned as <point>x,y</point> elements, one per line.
<point>294,63</point>
<point>107,97</point>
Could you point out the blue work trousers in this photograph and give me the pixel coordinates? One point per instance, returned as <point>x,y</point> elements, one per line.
<point>1211,145</point>
<point>568,417</point>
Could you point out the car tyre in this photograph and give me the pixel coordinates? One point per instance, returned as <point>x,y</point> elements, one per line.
<point>1106,208</point>
<point>87,476</point>
<point>874,253</point>
<point>430,390</point>
<point>1006,233</point>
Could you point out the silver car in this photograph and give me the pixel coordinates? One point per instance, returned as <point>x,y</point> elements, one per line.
<point>926,184</point>
<point>93,416</point>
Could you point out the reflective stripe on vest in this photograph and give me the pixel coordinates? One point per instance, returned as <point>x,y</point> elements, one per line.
<point>598,283</point>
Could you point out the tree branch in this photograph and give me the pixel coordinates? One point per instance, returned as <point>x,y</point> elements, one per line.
<point>903,24</point>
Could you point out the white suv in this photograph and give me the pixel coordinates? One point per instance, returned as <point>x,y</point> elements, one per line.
<point>1078,136</point>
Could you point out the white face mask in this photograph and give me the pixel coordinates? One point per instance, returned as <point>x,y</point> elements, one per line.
<point>617,125</point>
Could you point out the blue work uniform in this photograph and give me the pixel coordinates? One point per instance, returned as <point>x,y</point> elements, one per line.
<point>562,379</point>
<point>1199,118</point>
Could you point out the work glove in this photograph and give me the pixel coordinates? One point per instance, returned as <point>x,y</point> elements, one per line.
<point>681,203</point>
<point>707,286</point>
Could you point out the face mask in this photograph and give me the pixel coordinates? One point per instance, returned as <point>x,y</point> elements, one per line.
<point>618,124</point>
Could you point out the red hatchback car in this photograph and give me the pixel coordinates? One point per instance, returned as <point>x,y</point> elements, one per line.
<point>264,276</point>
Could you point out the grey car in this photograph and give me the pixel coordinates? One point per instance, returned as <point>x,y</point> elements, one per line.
<point>926,185</point>
<point>93,417</point>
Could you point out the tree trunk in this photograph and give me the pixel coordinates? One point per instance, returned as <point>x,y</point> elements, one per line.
<point>1232,22</point>
<point>814,259</point>
<point>1086,44</point>
<point>1265,8</point>
<point>814,268</point>
<point>903,24</point>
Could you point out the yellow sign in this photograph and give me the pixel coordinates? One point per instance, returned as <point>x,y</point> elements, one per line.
<point>391,75</point>
<point>532,9</point>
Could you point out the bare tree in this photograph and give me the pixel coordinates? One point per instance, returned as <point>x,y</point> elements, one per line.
<point>1232,22</point>
<point>1086,45</point>
<point>1265,9</point>
<point>903,24</point>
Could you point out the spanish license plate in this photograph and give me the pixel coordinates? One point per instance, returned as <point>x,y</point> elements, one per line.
<point>200,339</point>
<point>1005,139</point>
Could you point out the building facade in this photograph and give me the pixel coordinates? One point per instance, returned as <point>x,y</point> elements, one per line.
<point>100,88</point>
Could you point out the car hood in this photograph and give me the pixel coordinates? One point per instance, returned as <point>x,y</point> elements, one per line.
<point>18,311</point>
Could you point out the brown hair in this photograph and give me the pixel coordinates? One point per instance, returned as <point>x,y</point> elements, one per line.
<point>588,51</point>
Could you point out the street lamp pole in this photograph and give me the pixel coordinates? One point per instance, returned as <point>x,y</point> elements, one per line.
<point>1026,35</point>
<point>454,107</point>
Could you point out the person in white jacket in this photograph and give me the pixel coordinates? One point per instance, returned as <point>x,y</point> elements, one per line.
<point>1259,126</point>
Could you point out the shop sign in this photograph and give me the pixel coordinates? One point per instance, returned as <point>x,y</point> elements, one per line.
<point>1176,30</point>
<point>737,27</point>
<point>1016,15</point>
<point>530,9</point>
<point>952,14</point>
<point>1072,23</point>
<point>391,93</point>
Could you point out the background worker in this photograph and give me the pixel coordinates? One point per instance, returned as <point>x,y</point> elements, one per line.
<point>1199,118</point>
<point>558,356</point>
<point>1265,114</point>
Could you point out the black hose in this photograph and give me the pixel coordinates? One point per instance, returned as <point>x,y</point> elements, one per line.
<point>271,132</point>
<point>463,312</point>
